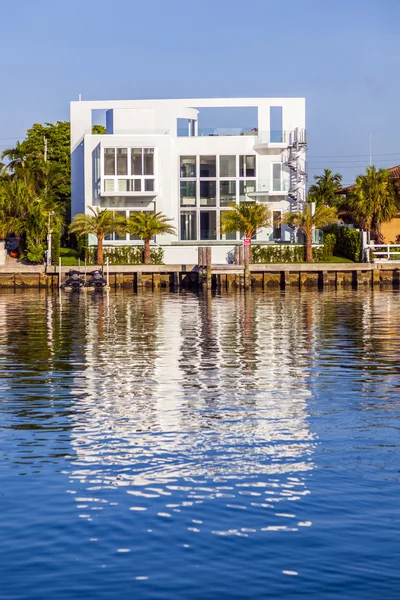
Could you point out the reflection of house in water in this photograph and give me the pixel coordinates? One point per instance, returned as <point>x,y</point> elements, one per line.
<point>181,387</point>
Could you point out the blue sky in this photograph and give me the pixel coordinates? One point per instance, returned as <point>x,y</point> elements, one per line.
<point>342,55</point>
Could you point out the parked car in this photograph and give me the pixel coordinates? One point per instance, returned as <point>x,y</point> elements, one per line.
<point>12,246</point>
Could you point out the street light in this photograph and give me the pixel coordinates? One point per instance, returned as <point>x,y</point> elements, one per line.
<point>49,232</point>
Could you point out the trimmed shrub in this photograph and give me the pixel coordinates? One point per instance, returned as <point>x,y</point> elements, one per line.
<point>275,253</point>
<point>348,242</point>
<point>82,245</point>
<point>55,247</point>
<point>125,255</point>
<point>293,253</point>
<point>34,253</point>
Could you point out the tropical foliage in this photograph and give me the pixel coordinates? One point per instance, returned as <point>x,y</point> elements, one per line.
<point>306,222</point>
<point>247,217</point>
<point>373,199</point>
<point>100,224</point>
<point>348,243</point>
<point>27,206</point>
<point>35,188</point>
<point>125,255</point>
<point>324,190</point>
<point>146,225</point>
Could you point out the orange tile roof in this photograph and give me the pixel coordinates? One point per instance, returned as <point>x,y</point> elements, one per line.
<point>394,171</point>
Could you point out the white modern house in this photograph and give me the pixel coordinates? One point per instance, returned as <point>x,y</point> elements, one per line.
<point>156,157</point>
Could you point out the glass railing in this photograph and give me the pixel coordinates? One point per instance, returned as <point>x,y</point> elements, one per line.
<point>272,137</point>
<point>148,131</point>
<point>268,186</point>
<point>219,131</point>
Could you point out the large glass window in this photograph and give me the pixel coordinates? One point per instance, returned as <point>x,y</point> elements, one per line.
<point>188,225</point>
<point>276,177</point>
<point>188,166</point>
<point>276,224</point>
<point>109,185</point>
<point>247,166</point>
<point>208,166</point>
<point>208,225</point>
<point>227,166</point>
<point>136,161</point>
<point>188,193</point>
<point>109,161</point>
<point>246,187</point>
<point>200,213</point>
<point>123,185</point>
<point>122,161</point>
<point>276,124</point>
<point>208,193</point>
<point>129,170</point>
<point>227,192</point>
<point>148,161</point>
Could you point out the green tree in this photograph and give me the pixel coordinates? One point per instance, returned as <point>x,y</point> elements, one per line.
<point>247,217</point>
<point>100,224</point>
<point>98,130</point>
<point>324,190</point>
<point>29,155</point>
<point>307,222</point>
<point>146,225</point>
<point>373,199</point>
<point>24,212</point>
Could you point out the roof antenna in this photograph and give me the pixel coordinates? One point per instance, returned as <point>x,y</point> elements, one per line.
<point>80,97</point>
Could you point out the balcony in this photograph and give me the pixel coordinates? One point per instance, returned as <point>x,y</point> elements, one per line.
<point>267,187</point>
<point>136,187</point>
<point>219,131</point>
<point>271,140</point>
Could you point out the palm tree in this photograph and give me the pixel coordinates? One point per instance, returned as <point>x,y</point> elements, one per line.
<point>307,222</point>
<point>100,224</point>
<point>247,217</point>
<point>323,191</point>
<point>16,198</point>
<point>146,225</point>
<point>373,199</point>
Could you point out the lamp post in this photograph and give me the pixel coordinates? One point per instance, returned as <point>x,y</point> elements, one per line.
<point>49,232</point>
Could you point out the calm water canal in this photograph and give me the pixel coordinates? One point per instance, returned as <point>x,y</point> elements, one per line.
<point>176,446</point>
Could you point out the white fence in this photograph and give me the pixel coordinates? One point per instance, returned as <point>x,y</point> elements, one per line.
<point>383,252</point>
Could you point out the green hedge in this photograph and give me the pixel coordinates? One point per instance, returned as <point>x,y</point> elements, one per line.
<point>348,242</point>
<point>125,255</point>
<point>55,247</point>
<point>291,253</point>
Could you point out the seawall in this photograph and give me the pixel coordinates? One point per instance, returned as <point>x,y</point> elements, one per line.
<point>271,276</point>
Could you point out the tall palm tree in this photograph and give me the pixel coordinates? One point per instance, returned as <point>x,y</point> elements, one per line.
<point>323,191</point>
<point>16,157</point>
<point>146,225</point>
<point>248,217</point>
<point>373,199</point>
<point>307,222</point>
<point>100,224</point>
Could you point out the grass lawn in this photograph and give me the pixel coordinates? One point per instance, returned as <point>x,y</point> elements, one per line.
<point>338,259</point>
<point>69,257</point>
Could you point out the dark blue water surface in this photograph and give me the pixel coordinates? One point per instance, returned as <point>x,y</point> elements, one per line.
<point>175,446</point>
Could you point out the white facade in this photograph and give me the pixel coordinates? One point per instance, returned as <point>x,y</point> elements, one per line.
<point>147,162</point>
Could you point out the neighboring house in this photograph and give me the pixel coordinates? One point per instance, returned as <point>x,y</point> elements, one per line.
<point>155,157</point>
<point>391,229</point>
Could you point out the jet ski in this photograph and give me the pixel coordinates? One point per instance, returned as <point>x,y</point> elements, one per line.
<point>96,280</point>
<point>74,281</point>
